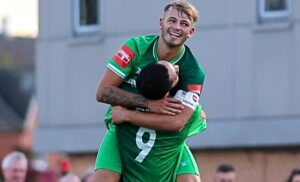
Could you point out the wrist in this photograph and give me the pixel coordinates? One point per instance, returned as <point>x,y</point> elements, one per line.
<point>128,115</point>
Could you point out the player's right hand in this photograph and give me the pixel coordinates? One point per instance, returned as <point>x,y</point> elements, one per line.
<point>169,106</point>
<point>118,114</point>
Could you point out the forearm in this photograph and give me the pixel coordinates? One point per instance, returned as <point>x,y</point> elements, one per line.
<point>155,121</point>
<point>115,96</point>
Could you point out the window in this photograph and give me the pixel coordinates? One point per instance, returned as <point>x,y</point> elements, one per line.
<point>86,17</point>
<point>274,10</point>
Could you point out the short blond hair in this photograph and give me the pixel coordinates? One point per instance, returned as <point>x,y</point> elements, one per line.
<point>183,6</point>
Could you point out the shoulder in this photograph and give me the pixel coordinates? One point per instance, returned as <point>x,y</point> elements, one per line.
<point>193,62</point>
<point>140,44</point>
<point>141,40</point>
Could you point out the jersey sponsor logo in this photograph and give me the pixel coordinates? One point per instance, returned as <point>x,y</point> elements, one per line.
<point>184,163</point>
<point>195,88</point>
<point>123,56</point>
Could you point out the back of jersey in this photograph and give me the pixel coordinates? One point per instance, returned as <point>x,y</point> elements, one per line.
<point>149,155</point>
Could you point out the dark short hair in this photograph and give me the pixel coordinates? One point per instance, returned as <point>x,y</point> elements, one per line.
<point>294,173</point>
<point>225,168</point>
<point>154,82</point>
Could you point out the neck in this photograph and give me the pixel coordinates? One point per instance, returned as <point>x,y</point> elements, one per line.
<point>166,52</point>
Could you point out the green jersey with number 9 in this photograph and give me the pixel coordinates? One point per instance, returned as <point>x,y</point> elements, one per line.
<point>149,155</point>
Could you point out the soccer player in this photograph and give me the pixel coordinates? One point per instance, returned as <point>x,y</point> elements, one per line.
<point>151,155</point>
<point>118,87</point>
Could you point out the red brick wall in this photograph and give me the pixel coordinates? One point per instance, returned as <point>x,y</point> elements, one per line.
<point>8,142</point>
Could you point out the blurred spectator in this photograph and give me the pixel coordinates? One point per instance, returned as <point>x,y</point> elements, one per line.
<point>225,173</point>
<point>65,167</point>
<point>88,177</point>
<point>14,167</point>
<point>294,176</point>
<point>69,178</point>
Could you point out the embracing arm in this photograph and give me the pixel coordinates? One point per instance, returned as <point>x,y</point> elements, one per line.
<point>108,92</point>
<point>152,120</point>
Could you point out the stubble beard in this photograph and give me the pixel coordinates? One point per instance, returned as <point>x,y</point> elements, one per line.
<point>170,43</point>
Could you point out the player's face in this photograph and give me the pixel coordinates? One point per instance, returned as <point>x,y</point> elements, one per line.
<point>16,172</point>
<point>176,27</point>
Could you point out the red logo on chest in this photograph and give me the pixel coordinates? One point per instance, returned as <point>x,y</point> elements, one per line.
<point>123,56</point>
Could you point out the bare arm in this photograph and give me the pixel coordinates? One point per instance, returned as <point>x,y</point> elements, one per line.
<point>108,92</point>
<point>152,120</point>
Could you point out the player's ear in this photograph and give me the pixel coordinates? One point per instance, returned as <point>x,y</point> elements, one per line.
<point>161,22</point>
<point>191,32</point>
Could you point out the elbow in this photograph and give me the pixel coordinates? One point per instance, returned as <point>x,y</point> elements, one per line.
<point>177,129</point>
<point>99,94</point>
<point>177,126</point>
<point>98,97</point>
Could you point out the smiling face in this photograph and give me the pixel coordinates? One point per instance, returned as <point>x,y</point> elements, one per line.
<point>176,27</point>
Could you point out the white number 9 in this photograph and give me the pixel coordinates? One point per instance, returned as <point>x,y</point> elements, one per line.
<point>146,147</point>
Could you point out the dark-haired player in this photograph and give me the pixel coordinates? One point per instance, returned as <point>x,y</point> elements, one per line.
<point>153,155</point>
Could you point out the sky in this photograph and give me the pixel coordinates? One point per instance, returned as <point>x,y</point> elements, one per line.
<point>22,17</point>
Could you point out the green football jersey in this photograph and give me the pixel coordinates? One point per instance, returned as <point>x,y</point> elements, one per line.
<point>149,155</point>
<point>137,52</point>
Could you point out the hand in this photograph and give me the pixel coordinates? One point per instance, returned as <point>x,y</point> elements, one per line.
<point>176,68</point>
<point>118,114</point>
<point>203,115</point>
<point>169,106</point>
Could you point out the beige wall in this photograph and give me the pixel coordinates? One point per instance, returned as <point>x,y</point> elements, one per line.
<point>251,165</point>
<point>270,165</point>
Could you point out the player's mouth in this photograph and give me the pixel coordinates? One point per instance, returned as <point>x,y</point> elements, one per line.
<point>175,34</point>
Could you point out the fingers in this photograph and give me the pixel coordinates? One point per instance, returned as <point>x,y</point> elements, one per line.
<point>166,112</point>
<point>174,104</point>
<point>173,100</point>
<point>169,106</point>
<point>173,109</point>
